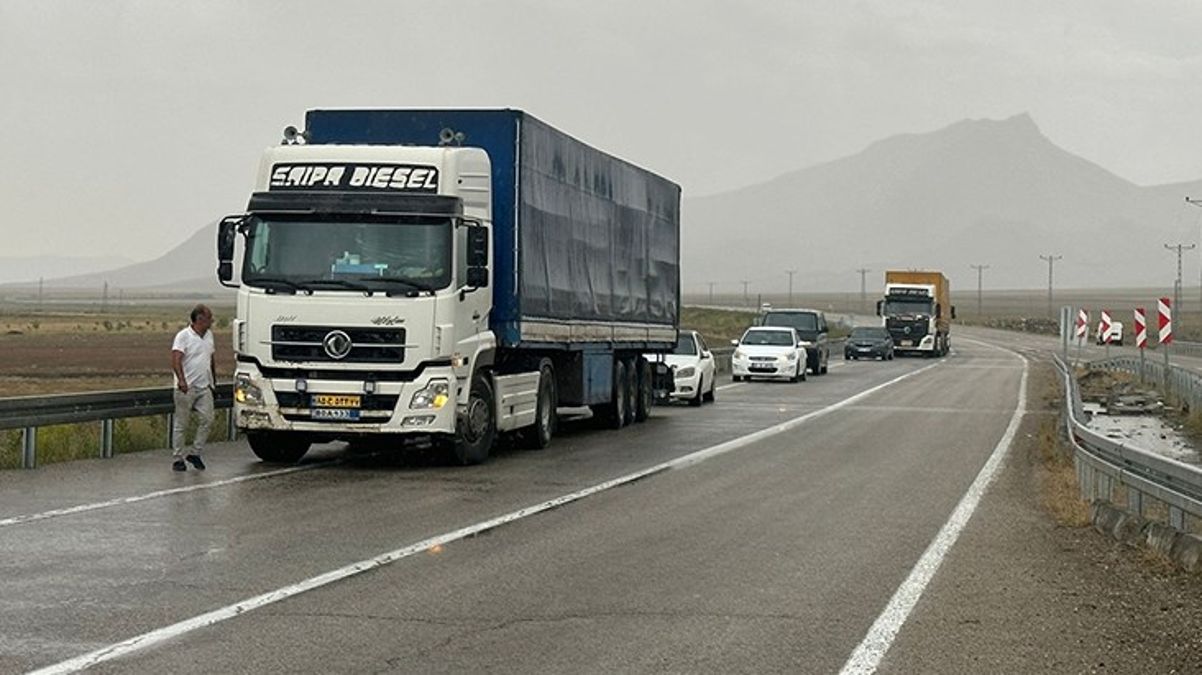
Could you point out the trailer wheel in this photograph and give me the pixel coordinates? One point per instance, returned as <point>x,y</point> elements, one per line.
<point>538,435</point>
<point>276,447</point>
<point>476,427</point>
<point>646,391</point>
<point>613,414</point>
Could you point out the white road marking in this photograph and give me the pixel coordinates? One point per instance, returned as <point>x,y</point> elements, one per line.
<point>146,640</point>
<point>871,651</point>
<point>120,501</point>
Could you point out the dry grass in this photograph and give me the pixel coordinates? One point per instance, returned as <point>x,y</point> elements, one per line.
<point>1060,494</point>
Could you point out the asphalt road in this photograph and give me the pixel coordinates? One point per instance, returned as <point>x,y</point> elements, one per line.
<point>771,553</point>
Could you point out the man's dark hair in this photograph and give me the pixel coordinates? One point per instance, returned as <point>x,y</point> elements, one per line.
<point>199,311</point>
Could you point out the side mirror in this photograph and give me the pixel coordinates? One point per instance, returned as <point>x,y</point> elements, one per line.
<point>477,277</point>
<point>705,356</point>
<point>953,311</point>
<point>879,304</point>
<point>734,343</point>
<point>477,246</point>
<point>938,311</point>
<point>227,236</point>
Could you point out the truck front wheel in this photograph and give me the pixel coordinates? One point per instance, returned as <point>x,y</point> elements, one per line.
<point>476,427</point>
<point>278,447</point>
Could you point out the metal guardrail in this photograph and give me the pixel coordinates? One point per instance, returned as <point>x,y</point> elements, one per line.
<point>1103,464</point>
<point>1184,384</point>
<point>28,413</point>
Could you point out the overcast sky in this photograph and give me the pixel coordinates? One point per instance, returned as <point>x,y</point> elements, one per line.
<point>126,126</point>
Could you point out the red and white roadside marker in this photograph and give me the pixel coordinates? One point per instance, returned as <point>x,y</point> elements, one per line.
<point>1105,328</point>
<point>1082,324</point>
<point>1141,328</point>
<point>1165,309</point>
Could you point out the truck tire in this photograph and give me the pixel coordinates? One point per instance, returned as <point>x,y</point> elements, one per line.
<point>278,447</point>
<point>476,428</point>
<point>632,391</point>
<point>646,391</point>
<point>538,435</point>
<point>612,415</point>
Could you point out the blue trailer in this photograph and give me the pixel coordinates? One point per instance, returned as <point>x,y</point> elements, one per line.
<point>538,272</point>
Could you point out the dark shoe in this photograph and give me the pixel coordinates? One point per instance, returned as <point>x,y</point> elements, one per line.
<point>178,465</point>
<point>195,461</point>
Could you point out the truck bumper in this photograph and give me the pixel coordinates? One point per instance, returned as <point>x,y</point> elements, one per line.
<point>342,408</point>
<point>926,344</point>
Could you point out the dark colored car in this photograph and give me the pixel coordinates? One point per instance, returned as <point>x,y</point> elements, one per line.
<point>811,327</point>
<point>868,343</point>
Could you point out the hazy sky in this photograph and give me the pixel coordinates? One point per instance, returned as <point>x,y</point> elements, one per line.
<point>128,125</point>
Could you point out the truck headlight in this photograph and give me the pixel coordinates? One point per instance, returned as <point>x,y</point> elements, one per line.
<point>247,392</point>
<point>434,395</point>
<point>687,371</point>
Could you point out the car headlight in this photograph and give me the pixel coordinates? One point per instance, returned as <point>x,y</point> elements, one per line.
<point>434,395</point>
<point>792,356</point>
<point>739,355</point>
<point>687,371</point>
<point>245,391</point>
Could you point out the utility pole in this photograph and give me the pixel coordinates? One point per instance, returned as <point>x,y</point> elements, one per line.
<point>104,301</point>
<point>711,285</point>
<point>1051,263</point>
<point>745,298</point>
<point>863,288</point>
<point>41,280</point>
<point>1179,248</point>
<point>979,269</point>
<point>1197,202</point>
<point>790,273</point>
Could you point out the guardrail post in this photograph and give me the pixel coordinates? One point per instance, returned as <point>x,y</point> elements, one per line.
<point>1135,501</point>
<point>29,448</point>
<point>231,430</point>
<point>1176,518</point>
<point>1105,487</point>
<point>170,426</point>
<point>106,439</point>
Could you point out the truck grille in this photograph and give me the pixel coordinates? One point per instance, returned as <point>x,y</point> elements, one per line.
<point>308,343</point>
<point>897,329</point>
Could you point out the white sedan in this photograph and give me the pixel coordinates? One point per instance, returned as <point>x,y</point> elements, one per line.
<point>693,368</point>
<point>768,352</point>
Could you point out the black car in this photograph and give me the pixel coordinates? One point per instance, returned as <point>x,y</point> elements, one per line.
<point>811,327</point>
<point>868,343</point>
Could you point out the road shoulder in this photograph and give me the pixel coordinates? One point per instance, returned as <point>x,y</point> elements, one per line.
<point>1021,593</point>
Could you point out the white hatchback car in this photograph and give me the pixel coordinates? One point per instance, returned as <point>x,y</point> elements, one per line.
<point>766,351</point>
<point>694,369</point>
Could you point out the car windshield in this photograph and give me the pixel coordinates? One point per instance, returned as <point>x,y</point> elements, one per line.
<point>908,306</point>
<point>776,338</point>
<point>802,321</point>
<point>685,345</point>
<point>349,252</point>
<point>869,334</point>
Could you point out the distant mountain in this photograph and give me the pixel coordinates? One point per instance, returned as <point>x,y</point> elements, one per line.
<point>29,270</point>
<point>190,266</point>
<point>976,192</point>
<point>988,192</point>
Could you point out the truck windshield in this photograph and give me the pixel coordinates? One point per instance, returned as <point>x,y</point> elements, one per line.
<point>376,252</point>
<point>907,306</point>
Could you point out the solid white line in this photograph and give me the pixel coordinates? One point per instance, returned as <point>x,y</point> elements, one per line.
<point>868,655</point>
<point>120,501</point>
<point>154,637</point>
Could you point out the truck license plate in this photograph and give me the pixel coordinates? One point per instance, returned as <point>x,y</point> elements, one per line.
<point>335,414</point>
<point>335,401</point>
<point>906,343</point>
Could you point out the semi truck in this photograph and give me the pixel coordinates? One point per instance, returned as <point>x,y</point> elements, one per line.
<point>917,311</point>
<point>453,275</point>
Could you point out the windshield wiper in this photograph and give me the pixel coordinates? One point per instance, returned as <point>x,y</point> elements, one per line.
<point>277,283</point>
<point>343,283</point>
<point>415,285</point>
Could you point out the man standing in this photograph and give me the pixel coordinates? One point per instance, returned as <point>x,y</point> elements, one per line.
<point>195,377</point>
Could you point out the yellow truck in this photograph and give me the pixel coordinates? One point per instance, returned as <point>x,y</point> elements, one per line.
<point>917,311</point>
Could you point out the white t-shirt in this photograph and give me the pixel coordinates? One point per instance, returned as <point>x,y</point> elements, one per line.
<point>198,355</point>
